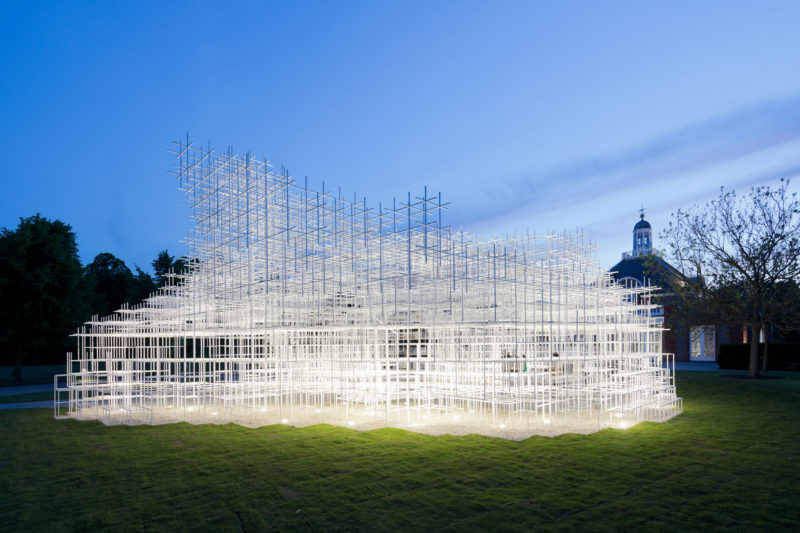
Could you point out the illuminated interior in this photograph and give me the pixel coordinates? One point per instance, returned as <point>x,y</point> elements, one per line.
<point>303,307</point>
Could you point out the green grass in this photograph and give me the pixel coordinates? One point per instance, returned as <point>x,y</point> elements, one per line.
<point>730,461</point>
<point>30,397</point>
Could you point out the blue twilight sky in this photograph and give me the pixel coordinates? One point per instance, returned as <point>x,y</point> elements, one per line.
<point>547,115</point>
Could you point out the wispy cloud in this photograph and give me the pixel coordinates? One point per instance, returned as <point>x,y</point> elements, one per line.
<point>688,150</point>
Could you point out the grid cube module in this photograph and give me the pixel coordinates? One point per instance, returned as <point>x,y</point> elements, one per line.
<point>304,307</point>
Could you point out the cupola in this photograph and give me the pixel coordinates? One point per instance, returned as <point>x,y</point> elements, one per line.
<point>642,237</point>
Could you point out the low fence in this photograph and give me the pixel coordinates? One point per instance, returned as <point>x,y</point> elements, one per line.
<point>31,375</point>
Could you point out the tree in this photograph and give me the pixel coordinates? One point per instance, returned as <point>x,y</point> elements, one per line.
<point>111,282</point>
<point>143,285</point>
<point>744,251</point>
<point>785,296</point>
<point>164,263</point>
<point>43,293</point>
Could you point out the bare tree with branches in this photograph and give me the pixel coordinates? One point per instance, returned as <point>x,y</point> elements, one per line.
<point>744,250</point>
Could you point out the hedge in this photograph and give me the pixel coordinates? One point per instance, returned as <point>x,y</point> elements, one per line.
<point>781,356</point>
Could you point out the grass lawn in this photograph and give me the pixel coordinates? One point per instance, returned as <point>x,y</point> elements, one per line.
<point>30,397</point>
<point>732,460</point>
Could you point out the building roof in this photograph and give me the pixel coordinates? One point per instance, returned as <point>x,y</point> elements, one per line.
<point>649,268</point>
<point>642,224</point>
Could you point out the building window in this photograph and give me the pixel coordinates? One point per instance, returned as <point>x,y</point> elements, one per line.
<point>701,343</point>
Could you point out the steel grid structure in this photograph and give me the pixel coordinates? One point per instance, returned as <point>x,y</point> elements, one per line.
<point>303,307</point>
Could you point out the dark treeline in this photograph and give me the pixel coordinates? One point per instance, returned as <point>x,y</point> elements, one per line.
<point>46,293</point>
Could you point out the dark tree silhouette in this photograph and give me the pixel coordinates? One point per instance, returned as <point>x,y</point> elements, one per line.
<point>143,285</point>
<point>42,290</point>
<point>745,252</point>
<point>111,282</point>
<point>164,263</point>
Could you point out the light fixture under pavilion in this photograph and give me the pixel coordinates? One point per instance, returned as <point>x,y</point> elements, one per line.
<point>303,307</point>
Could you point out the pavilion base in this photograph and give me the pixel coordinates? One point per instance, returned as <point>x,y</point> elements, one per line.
<point>417,418</point>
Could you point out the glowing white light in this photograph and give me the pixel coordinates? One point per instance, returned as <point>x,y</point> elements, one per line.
<point>296,300</point>
<point>284,421</point>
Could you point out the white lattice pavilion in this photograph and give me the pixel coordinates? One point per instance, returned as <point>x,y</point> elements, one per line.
<point>304,307</point>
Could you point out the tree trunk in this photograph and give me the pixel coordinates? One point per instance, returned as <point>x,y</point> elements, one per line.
<point>756,334</point>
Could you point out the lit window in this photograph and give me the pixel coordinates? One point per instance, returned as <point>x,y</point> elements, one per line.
<point>701,343</point>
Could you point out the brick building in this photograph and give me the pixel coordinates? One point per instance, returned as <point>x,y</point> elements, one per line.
<point>695,338</point>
